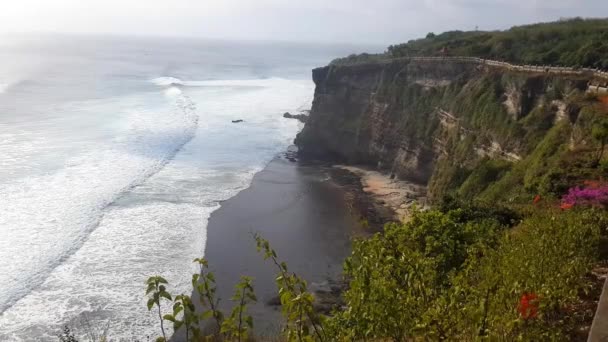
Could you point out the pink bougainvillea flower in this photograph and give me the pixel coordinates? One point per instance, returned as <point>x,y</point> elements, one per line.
<point>536,199</point>
<point>595,196</point>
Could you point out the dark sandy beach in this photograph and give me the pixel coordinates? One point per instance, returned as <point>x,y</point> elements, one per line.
<point>304,216</point>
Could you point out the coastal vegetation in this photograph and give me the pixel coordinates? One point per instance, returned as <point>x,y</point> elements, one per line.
<point>570,42</point>
<point>574,42</point>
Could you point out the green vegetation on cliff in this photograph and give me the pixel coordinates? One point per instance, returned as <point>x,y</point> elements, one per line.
<point>575,42</point>
<point>461,276</point>
<point>504,137</point>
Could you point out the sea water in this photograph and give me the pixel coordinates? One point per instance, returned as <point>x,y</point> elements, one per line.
<point>113,154</point>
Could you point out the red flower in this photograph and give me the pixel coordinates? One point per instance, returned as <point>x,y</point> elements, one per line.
<point>592,184</point>
<point>528,305</point>
<point>566,206</point>
<point>536,199</point>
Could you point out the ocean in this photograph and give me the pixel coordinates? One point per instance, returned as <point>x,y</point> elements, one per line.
<point>114,151</point>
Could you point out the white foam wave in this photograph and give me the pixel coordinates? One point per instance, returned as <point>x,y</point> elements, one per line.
<point>173,92</point>
<point>166,81</point>
<point>106,274</point>
<point>47,218</point>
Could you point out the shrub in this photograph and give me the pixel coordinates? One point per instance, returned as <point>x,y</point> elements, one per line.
<point>396,277</point>
<point>438,277</point>
<point>487,172</point>
<point>548,256</point>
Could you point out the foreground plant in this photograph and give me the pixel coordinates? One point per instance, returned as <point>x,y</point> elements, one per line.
<point>454,276</point>
<point>185,314</point>
<point>237,326</point>
<point>184,308</point>
<point>157,291</point>
<point>296,301</point>
<point>204,284</point>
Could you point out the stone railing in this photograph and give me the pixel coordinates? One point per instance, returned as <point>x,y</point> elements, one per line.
<point>598,78</point>
<point>586,72</point>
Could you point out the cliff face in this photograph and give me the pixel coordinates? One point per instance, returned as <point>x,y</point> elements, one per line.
<point>452,126</point>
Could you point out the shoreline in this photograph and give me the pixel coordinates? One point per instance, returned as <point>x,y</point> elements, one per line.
<point>305,215</point>
<point>309,212</point>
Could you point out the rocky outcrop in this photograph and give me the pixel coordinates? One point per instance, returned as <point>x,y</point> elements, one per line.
<point>432,123</point>
<point>300,117</point>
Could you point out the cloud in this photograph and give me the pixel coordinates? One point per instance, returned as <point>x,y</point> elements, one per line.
<point>382,21</point>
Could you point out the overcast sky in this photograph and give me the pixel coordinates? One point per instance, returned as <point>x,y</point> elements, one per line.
<point>347,21</point>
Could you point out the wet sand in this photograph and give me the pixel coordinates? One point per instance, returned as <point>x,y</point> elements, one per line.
<point>398,195</point>
<point>304,216</point>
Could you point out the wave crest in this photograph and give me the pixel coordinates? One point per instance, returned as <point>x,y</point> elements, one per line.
<point>167,81</point>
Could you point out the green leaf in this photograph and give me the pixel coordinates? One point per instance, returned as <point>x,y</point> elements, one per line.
<point>150,303</point>
<point>177,325</point>
<point>207,314</point>
<point>177,310</point>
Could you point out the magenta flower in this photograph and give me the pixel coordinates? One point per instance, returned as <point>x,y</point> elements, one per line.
<point>591,196</point>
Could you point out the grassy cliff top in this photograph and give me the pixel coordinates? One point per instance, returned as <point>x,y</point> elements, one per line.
<point>574,42</point>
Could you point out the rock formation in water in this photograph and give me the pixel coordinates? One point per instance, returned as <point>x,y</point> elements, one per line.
<point>300,117</point>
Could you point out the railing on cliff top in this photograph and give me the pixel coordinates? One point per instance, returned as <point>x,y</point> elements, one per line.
<point>584,72</point>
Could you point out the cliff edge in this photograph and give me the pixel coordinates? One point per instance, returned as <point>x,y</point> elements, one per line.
<point>471,129</point>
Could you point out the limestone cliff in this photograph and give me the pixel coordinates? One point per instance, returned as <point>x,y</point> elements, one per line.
<point>455,126</point>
